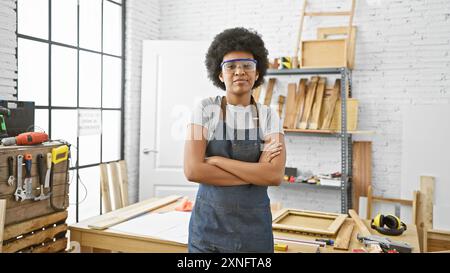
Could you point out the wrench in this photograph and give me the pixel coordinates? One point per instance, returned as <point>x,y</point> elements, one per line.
<point>19,190</point>
<point>28,181</point>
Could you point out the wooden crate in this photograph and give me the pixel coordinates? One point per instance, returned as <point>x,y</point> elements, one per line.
<point>324,53</point>
<point>30,225</point>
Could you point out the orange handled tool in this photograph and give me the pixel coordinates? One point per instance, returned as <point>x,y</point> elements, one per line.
<point>28,138</point>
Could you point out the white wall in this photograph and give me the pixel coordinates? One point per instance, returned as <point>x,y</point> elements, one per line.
<point>402,57</point>
<point>8,44</point>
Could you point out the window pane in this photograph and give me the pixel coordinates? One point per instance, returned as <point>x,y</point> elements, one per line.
<point>33,71</point>
<point>112,82</point>
<point>32,18</point>
<point>64,126</point>
<point>64,21</point>
<point>72,210</point>
<point>89,190</point>
<point>112,28</point>
<point>91,24</point>
<point>89,147</point>
<point>41,120</point>
<point>90,79</point>
<point>111,135</point>
<point>64,76</point>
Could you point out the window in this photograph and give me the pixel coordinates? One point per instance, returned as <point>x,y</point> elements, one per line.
<point>71,64</point>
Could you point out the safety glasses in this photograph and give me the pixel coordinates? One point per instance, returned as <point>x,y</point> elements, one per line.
<point>230,66</point>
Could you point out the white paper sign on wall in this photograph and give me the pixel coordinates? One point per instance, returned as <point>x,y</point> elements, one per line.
<point>89,122</point>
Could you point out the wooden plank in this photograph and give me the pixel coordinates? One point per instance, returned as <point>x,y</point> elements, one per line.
<point>314,122</point>
<point>269,91</point>
<point>362,171</point>
<point>324,53</point>
<point>2,221</point>
<point>344,236</point>
<point>425,207</point>
<point>121,215</point>
<point>104,185</point>
<point>290,106</point>
<point>436,240</point>
<point>352,115</point>
<point>330,107</point>
<point>309,102</point>
<point>124,179</point>
<point>393,200</point>
<point>329,13</point>
<point>414,207</point>
<point>337,223</point>
<point>13,231</point>
<point>34,239</point>
<point>298,44</point>
<point>300,101</point>
<point>52,247</point>
<point>369,203</point>
<point>359,223</point>
<point>257,93</point>
<point>281,100</point>
<point>116,185</point>
<point>325,32</point>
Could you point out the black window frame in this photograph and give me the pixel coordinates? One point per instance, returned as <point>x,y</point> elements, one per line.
<point>49,107</point>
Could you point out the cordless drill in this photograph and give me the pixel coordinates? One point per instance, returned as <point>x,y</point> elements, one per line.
<point>28,138</point>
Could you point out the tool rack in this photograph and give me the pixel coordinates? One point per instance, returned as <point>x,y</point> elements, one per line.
<point>34,225</point>
<point>344,135</point>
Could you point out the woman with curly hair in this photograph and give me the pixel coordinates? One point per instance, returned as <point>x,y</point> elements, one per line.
<point>234,150</point>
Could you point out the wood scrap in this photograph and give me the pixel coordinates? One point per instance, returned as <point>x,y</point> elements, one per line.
<point>281,100</point>
<point>105,189</point>
<point>425,208</point>
<point>359,223</point>
<point>257,93</point>
<point>121,215</point>
<point>309,102</point>
<point>317,106</point>
<point>300,101</point>
<point>116,186</point>
<point>290,106</point>
<point>124,180</point>
<point>362,170</point>
<point>329,109</point>
<point>352,115</point>
<point>344,235</point>
<point>269,91</point>
<point>2,221</point>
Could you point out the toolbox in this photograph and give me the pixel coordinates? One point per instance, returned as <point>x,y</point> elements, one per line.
<point>36,223</point>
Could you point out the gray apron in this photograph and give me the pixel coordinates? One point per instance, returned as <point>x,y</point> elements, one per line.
<point>233,218</point>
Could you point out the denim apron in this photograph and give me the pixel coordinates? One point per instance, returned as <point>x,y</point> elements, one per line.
<point>232,218</point>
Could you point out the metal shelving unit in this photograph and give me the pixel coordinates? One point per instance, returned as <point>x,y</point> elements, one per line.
<point>344,135</point>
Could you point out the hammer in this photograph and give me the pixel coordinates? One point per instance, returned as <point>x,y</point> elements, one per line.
<point>42,171</point>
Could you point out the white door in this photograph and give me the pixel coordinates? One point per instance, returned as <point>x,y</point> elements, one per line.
<point>173,79</point>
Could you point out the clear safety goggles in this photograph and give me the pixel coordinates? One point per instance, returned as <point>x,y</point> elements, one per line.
<point>230,66</point>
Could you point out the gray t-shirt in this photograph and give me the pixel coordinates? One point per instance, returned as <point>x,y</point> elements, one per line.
<point>207,114</point>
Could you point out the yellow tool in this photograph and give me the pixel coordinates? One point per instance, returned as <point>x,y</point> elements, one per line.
<point>280,247</point>
<point>60,154</point>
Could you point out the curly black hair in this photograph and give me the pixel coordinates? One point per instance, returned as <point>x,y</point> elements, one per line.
<point>236,39</point>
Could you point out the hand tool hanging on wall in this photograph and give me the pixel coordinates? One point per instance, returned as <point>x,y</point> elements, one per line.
<point>58,155</point>
<point>28,138</point>
<point>19,193</point>
<point>11,171</point>
<point>49,168</point>
<point>42,171</point>
<point>28,181</point>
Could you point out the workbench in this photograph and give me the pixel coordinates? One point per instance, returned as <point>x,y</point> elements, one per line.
<point>92,240</point>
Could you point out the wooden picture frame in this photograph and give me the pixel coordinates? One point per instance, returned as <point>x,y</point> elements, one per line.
<point>322,223</point>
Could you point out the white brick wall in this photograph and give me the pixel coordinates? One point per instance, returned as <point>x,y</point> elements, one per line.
<point>402,57</point>
<point>8,44</point>
<point>142,23</point>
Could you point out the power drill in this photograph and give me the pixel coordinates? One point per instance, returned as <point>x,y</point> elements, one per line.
<point>28,138</point>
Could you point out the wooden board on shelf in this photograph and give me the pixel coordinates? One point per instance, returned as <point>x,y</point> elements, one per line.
<point>352,115</point>
<point>324,53</point>
<point>300,101</point>
<point>290,106</point>
<point>344,235</point>
<point>269,91</point>
<point>314,121</point>
<point>330,105</point>
<point>308,221</point>
<point>325,32</point>
<point>309,102</point>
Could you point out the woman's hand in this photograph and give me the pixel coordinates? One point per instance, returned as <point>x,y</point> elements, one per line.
<point>272,150</point>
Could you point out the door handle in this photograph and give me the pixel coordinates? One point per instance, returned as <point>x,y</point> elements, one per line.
<point>147,151</point>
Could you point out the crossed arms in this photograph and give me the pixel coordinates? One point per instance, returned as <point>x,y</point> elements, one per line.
<point>221,171</point>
